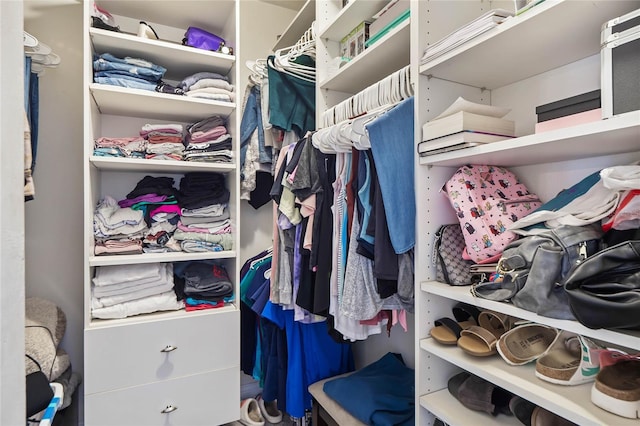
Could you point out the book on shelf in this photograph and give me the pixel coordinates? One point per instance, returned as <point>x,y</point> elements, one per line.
<point>463,137</point>
<point>463,120</point>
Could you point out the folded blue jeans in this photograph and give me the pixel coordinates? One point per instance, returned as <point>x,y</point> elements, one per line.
<point>126,82</point>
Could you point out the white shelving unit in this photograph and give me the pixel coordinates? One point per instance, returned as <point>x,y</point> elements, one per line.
<point>299,24</point>
<point>541,56</point>
<point>384,57</point>
<point>157,368</point>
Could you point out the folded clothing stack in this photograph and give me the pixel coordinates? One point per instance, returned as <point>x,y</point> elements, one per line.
<point>117,230</point>
<point>206,286</point>
<point>208,140</point>
<point>128,72</point>
<point>132,147</point>
<point>156,198</point>
<point>205,224</point>
<point>164,141</point>
<point>208,85</point>
<point>125,290</point>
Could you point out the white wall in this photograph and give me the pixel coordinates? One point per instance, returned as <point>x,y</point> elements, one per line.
<point>12,385</point>
<point>54,219</point>
<point>257,37</point>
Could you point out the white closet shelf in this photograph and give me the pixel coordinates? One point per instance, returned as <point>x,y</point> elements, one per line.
<point>571,402</point>
<point>387,55</point>
<point>123,101</point>
<point>180,61</point>
<point>158,316</point>
<point>626,338</point>
<point>529,44</point>
<point>178,14</point>
<point>300,23</point>
<point>612,136</point>
<point>157,166</point>
<point>157,257</point>
<point>448,409</point>
<point>350,16</point>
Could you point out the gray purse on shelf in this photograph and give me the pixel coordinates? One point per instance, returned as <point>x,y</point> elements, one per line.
<point>532,268</point>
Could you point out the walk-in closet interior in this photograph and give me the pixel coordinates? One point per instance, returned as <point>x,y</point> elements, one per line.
<point>210,205</point>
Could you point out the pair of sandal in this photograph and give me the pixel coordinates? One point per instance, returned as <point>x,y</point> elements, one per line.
<point>475,332</point>
<point>617,386</point>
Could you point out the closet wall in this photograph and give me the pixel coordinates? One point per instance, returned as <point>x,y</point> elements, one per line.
<point>256,233</point>
<point>53,220</point>
<point>11,216</point>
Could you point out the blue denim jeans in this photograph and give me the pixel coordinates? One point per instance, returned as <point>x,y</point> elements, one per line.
<point>154,73</point>
<point>107,57</point>
<point>32,106</point>
<point>133,83</point>
<point>391,137</point>
<point>252,119</point>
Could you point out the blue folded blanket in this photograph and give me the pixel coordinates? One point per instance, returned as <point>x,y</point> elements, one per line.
<point>385,392</point>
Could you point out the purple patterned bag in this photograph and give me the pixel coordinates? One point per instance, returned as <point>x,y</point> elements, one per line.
<point>201,39</point>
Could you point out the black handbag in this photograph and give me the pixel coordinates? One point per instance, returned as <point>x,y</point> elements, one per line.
<point>604,290</point>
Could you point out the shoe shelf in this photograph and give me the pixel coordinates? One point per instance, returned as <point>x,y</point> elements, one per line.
<point>627,338</point>
<point>128,259</point>
<point>180,61</point>
<point>581,141</point>
<point>387,55</point>
<point>571,402</point>
<point>300,23</point>
<point>349,17</point>
<point>157,166</point>
<point>519,48</point>
<point>159,316</point>
<point>128,102</point>
<point>452,412</point>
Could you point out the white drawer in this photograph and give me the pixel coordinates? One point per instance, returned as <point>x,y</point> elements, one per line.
<point>131,355</point>
<point>204,399</point>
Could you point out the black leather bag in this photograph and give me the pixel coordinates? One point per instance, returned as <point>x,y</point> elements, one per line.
<point>604,290</point>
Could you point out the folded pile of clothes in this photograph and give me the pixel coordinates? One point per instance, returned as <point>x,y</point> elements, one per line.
<point>132,147</point>
<point>208,85</point>
<point>117,230</point>
<point>164,141</point>
<point>208,140</point>
<point>129,72</point>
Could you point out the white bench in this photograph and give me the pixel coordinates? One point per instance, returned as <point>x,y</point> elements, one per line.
<point>326,411</point>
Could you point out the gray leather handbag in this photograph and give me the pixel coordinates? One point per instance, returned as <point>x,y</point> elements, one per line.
<point>532,268</point>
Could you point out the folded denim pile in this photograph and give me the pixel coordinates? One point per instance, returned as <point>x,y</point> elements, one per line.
<point>208,140</point>
<point>127,72</point>
<point>208,85</point>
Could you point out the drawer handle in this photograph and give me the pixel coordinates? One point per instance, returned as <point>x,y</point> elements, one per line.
<point>169,409</point>
<point>169,348</point>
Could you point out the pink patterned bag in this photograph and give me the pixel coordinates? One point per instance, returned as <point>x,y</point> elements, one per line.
<point>487,199</point>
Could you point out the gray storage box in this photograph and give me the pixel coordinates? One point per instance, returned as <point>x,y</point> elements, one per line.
<point>620,62</point>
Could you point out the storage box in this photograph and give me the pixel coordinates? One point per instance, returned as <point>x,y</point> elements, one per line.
<point>385,16</point>
<point>620,65</point>
<point>352,44</point>
<point>569,106</point>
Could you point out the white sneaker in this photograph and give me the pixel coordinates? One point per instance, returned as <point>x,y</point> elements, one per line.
<point>250,413</point>
<point>269,410</point>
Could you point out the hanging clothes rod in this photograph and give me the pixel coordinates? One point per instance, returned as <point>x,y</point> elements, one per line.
<point>390,90</point>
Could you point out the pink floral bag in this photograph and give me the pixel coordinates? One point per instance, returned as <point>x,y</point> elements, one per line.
<point>487,199</point>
